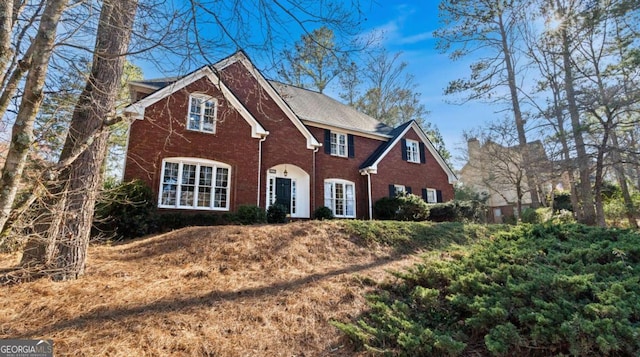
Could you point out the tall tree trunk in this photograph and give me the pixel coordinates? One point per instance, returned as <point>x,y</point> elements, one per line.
<point>22,131</point>
<point>630,209</point>
<point>6,27</point>
<point>586,194</point>
<point>89,121</point>
<point>517,113</point>
<point>67,224</point>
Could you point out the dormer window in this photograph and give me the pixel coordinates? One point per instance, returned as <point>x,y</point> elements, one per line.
<point>202,113</point>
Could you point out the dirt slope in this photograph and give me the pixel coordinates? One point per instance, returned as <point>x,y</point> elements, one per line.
<point>217,291</point>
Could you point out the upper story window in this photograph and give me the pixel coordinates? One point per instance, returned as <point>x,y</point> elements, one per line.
<point>339,144</point>
<point>194,184</point>
<point>431,195</point>
<point>202,113</point>
<point>413,151</point>
<point>340,197</point>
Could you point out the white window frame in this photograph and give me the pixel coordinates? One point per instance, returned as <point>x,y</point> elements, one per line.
<point>201,112</point>
<point>400,189</point>
<point>339,148</point>
<point>217,186</point>
<point>432,195</point>
<point>344,202</point>
<point>413,151</point>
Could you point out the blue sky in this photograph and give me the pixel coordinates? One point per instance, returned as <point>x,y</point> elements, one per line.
<point>408,28</point>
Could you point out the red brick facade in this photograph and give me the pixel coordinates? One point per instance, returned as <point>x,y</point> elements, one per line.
<point>162,133</point>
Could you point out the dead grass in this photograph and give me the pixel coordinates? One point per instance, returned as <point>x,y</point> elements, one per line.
<point>216,291</point>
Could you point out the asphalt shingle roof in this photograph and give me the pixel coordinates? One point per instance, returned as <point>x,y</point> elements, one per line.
<point>315,107</point>
<point>382,148</point>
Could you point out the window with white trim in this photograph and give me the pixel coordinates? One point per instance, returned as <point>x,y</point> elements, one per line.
<point>431,196</point>
<point>400,189</point>
<point>413,151</point>
<point>339,144</point>
<point>194,184</point>
<point>202,113</point>
<point>340,197</point>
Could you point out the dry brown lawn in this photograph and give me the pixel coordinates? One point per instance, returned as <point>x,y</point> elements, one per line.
<point>214,291</point>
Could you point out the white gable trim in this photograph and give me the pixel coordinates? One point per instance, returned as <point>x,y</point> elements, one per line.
<point>137,109</point>
<point>312,143</point>
<point>373,168</point>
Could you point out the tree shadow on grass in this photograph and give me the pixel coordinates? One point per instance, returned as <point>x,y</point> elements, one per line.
<point>211,298</point>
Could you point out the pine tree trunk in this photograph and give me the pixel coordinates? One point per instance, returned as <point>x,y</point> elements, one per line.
<point>88,123</point>
<point>67,229</point>
<point>22,131</point>
<point>588,210</point>
<point>517,113</point>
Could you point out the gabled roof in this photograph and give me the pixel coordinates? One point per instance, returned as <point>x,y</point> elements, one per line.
<point>137,109</point>
<point>316,108</point>
<point>241,57</point>
<point>371,163</point>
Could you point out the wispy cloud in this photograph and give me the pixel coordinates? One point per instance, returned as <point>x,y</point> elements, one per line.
<point>409,40</point>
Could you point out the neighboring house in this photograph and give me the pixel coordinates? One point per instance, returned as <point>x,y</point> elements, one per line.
<point>500,173</point>
<point>224,136</point>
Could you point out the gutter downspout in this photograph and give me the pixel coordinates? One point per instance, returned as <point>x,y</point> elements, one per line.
<point>369,192</point>
<point>260,167</point>
<point>313,200</point>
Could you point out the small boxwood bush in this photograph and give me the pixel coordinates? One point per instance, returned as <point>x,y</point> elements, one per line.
<point>248,214</point>
<point>322,213</point>
<point>277,214</point>
<point>386,208</point>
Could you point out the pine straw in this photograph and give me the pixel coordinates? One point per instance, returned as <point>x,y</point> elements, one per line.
<point>222,291</point>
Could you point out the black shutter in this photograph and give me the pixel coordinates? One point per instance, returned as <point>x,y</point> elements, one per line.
<point>351,146</point>
<point>424,194</point>
<point>403,147</point>
<point>438,196</point>
<point>327,141</point>
<point>392,191</point>
<point>423,158</point>
<point>408,189</point>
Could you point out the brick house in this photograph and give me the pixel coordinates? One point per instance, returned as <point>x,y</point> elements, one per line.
<point>224,136</point>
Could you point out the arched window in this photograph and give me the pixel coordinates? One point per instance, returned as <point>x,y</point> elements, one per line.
<point>191,183</point>
<point>340,197</point>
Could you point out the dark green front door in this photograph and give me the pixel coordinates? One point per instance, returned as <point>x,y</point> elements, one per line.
<point>283,193</point>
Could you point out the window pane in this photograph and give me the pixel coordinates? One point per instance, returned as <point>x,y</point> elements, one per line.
<point>339,200</point>
<point>209,116</point>
<point>350,200</point>
<point>334,144</point>
<point>194,115</point>
<point>222,177</point>
<point>204,197</point>
<point>205,175</point>
<point>169,186</point>
<point>186,195</point>
<point>188,174</point>
<point>328,195</point>
<point>220,200</point>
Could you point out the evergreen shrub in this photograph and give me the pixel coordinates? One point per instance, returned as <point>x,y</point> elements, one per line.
<point>323,213</point>
<point>276,214</point>
<point>248,214</point>
<point>125,210</point>
<point>530,290</point>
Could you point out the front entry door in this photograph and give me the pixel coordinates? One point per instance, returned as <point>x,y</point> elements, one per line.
<point>283,193</point>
